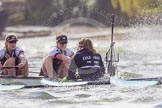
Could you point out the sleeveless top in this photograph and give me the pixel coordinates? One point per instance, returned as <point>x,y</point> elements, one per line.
<point>54,52</point>
<point>15,53</point>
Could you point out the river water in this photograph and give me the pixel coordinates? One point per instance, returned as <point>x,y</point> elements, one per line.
<point>140,53</point>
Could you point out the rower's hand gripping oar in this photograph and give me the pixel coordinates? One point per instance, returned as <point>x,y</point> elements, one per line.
<point>110,55</point>
<point>9,67</point>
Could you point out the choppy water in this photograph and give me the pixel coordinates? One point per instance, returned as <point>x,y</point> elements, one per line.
<point>141,54</point>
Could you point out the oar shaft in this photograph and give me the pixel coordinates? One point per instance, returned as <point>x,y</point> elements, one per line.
<point>112,27</point>
<point>111,46</point>
<point>9,67</point>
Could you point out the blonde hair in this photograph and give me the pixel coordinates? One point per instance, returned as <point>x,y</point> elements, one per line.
<point>86,43</point>
<point>58,35</point>
<point>10,34</point>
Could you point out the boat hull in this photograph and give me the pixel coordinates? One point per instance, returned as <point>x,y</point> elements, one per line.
<point>27,81</point>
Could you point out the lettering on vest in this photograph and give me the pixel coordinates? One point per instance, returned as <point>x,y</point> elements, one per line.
<point>86,58</point>
<point>96,57</point>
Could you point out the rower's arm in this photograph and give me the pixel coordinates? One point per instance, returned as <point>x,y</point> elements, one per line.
<point>0,64</point>
<point>64,58</point>
<point>72,69</point>
<point>22,58</point>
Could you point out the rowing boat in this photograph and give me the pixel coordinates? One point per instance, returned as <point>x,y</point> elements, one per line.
<point>35,82</point>
<point>74,83</point>
<point>10,87</point>
<point>28,82</point>
<point>130,83</point>
<point>113,80</point>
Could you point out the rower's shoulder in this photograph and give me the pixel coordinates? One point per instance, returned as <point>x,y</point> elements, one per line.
<point>69,49</point>
<point>2,51</point>
<point>54,48</point>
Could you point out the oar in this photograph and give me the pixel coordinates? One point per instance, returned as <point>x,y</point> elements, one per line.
<point>9,67</point>
<point>111,68</point>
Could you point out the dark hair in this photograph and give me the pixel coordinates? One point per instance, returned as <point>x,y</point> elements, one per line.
<point>87,44</point>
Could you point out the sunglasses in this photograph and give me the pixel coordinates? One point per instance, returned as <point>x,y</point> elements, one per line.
<point>12,42</point>
<point>64,43</point>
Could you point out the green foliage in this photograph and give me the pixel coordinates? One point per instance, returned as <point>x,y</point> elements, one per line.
<point>135,7</point>
<point>38,10</point>
<point>53,12</point>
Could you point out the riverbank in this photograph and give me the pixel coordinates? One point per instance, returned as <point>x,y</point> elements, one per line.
<point>76,32</point>
<point>27,31</point>
<point>73,32</point>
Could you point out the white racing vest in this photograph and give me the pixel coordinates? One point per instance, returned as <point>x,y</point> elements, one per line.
<point>55,51</point>
<point>15,53</point>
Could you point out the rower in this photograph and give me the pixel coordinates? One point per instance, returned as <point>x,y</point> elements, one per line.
<point>56,63</point>
<point>13,56</point>
<point>87,64</point>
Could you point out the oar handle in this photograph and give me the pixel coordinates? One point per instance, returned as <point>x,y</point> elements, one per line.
<point>9,67</point>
